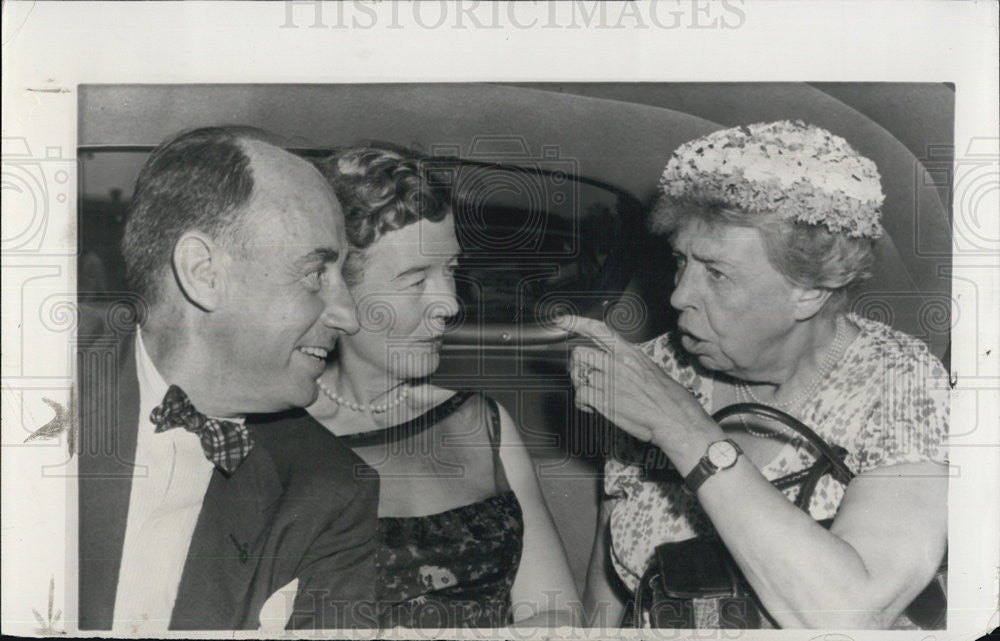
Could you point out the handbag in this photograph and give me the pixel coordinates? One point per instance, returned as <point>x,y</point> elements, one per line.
<point>697,584</point>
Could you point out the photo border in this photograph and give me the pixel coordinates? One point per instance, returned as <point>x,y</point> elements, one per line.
<point>51,48</point>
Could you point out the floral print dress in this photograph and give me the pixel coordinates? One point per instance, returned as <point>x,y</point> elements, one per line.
<point>455,568</point>
<point>885,402</point>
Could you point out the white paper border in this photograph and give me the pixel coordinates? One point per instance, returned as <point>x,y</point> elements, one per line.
<point>49,48</point>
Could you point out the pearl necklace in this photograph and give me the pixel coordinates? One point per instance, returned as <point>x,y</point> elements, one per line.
<point>358,407</point>
<point>740,398</point>
<point>791,407</point>
<point>824,370</point>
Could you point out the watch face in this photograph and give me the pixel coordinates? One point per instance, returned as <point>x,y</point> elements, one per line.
<point>722,454</point>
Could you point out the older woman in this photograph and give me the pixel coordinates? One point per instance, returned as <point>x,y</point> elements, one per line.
<point>465,537</point>
<point>770,224</point>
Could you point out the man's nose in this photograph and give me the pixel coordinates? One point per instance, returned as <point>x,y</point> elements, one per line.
<point>340,312</point>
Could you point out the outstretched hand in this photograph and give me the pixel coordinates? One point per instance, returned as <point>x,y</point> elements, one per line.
<point>616,379</point>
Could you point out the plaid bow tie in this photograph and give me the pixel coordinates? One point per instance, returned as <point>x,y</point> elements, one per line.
<point>225,443</point>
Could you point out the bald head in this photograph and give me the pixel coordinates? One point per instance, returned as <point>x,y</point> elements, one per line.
<point>284,182</point>
<point>200,180</point>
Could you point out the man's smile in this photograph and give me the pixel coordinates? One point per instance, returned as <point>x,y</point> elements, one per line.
<point>319,353</point>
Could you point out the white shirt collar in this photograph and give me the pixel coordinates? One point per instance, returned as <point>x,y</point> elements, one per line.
<point>152,387</point>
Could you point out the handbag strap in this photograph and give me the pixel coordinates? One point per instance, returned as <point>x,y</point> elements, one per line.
<point>837,466</point>
<point>928,610</point>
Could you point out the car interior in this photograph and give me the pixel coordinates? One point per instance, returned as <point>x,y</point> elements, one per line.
<point>551,182</point>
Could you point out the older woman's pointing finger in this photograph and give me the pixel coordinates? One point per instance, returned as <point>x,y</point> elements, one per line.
<point>616,379</point>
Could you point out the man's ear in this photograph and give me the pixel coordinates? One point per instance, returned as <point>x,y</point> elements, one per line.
<point>809,302</point>
<point>199,266</point>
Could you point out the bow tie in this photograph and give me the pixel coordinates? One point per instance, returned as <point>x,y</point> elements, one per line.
<point>226,443</point>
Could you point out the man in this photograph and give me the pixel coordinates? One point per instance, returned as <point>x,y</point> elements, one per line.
<point>190,515</point>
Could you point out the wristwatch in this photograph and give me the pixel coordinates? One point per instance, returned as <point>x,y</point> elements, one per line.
<point>720,455</point>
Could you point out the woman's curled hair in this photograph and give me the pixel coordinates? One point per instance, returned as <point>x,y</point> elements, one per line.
<point>382,190</point>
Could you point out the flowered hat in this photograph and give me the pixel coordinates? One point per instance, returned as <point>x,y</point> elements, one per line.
<point>798,171</point>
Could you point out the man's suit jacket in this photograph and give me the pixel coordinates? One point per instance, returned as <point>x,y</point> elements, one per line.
<point>301,506</point>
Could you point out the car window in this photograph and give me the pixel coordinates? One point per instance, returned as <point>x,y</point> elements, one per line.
<point>535,239</point>
<point>106,181</point>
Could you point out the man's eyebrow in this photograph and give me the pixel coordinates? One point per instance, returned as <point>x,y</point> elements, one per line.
<point>320,255</point>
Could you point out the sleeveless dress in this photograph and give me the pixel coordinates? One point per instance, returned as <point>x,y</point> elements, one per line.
<point>455,568</point>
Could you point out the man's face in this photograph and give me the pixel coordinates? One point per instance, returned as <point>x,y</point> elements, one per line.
<point>286,301</point>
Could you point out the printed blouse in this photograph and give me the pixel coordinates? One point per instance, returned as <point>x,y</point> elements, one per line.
<point>885,402</point>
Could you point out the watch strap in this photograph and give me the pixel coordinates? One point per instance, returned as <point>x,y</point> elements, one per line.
<point>705,468</point>
<point>699,474</point>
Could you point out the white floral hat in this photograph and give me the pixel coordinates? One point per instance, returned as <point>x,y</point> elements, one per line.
<point>798,171</point>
